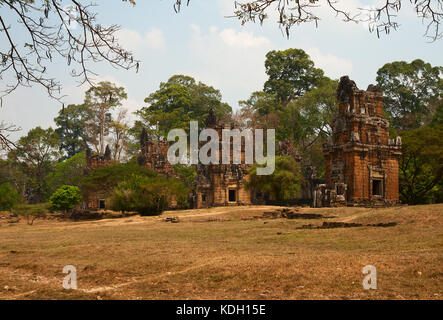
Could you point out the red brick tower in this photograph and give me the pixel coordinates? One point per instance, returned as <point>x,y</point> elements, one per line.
<point>361,160</point>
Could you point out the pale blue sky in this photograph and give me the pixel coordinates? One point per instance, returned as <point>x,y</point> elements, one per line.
<point>218,51</point>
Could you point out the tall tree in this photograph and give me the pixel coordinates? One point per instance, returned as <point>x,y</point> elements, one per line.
<point>100,100</point>
<point>71,127</point>
<point>37,153</point>
<point>120,138</point>
<point>410,90</point>
<point>291,74</point>
<point>421,164</point>
<point>178,101</point>
<point>309,118</point>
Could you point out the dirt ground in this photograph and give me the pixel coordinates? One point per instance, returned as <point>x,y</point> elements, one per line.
<point>227,253</point>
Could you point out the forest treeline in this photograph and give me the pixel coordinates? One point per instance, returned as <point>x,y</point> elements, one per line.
<point>297,99</point>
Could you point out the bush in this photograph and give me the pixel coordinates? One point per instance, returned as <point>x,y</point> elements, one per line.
<point>8,196</point>
<point>147,195</point>
<point>65,198</point>
<point>283,184</point>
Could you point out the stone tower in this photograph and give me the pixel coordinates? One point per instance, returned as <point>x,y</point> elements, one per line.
<point>222,184</point>
<point>361,160</point>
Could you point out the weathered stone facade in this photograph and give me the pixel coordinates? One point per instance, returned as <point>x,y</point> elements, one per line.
<point>216,185</point>
<point>96,200</point>
<point>154,155</point>
<point>361,159</point>
<point>222,184</point>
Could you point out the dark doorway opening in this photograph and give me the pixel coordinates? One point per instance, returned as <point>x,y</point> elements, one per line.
<point>377,188</point>
<point>101,204</point>
<point>232,196</point>
<point>203,197</point>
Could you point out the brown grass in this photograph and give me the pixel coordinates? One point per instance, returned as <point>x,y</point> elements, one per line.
<point>219,254</point>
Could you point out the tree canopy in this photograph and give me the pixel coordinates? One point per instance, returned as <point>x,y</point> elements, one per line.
<point>411,91</point>
<point>178,101</point>
<point>291,73</point>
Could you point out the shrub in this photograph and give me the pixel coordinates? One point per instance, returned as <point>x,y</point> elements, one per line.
<point>65,198</point>
<point>147,195</point>
<point>8,196</point>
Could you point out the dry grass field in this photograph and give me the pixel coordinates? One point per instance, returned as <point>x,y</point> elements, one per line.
<point>221,253</point>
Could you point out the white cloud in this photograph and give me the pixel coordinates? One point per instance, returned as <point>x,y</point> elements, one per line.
<point>242,39</point>
<point>231,61</point>
<point>135,41</point>
<point>155,39</point>
<point>333,66</point>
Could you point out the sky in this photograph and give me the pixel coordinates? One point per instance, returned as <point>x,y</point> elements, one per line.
<point>203,42</point>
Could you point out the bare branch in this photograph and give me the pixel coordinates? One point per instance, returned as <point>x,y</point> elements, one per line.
<point>295,12</point>
<point>55,29</point>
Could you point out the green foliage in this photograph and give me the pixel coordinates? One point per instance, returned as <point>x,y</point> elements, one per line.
<point>410,90</point>
<point>283,184</point>
<point>8,196</point>
<point>309,117</point>
<point>71,127</point>
<point>421,165</point>
<point>68,172</point>
<point>65,198</point>
<point>36,155</point>
<point>38,209</point>
<point>178,101</point>
<point>105,179</point>
<point>147,196</point>
<point>187,174</point>
<point>291,74</point>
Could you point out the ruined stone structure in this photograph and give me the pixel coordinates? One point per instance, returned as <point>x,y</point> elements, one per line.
<point>361,159</point>
<point>222,184</point>
<point>96,201</point>
<point>216,185</point>
<point>154,155</point>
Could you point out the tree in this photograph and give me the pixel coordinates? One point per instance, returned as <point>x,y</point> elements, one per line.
<point>120,138</point>
<point>67,172</point>
<point>100,100</point>
<point>283,184</point>
<point>105,179</point>
<point>178,101</point>
<point>8,196</point>
<point>65,198</point>
<point>260,111</point>
<point>72,128</point>
<point>37,153</point>
<point>410,90</point>
<point>291,74</point>
<point>308,118</point>
<point>147,196</point>
<point>421,164</point>
<point>47,32</point>
<point>381,18</point>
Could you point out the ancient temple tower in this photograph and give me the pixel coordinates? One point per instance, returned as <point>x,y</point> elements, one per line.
<point>361,159</point>
<point>222,184</point>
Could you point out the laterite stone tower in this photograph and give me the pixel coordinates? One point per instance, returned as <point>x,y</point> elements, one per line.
<point>361,159</point>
